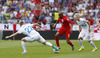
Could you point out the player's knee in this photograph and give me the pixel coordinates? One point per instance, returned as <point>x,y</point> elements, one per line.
<point>79,38</point>
<point>44,43</point>
<point>23,40</point>
<point>67,41</point>
<point>56,35</point>
<point>89,41</point>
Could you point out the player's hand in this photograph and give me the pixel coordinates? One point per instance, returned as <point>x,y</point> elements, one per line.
<point>98,28</point>
<point>7,37</point>
<point>79,31</point>
<point>54,26</point>
<point>70,30</point>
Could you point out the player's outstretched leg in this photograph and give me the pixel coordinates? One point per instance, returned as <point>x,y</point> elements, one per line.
<point>57,40</point>
<point>23,46</point>
<point>49,44</point>
<point>80,42</point>
<point>94,49</point>
<point>71,44</point>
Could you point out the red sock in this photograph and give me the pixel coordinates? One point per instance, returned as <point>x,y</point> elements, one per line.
<point>57,41</point>
<point>70,43</point>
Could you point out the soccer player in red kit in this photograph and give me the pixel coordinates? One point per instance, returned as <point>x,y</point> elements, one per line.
<point>65,29</point>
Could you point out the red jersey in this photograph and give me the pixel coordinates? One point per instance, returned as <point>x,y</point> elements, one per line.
<point>65,21</point>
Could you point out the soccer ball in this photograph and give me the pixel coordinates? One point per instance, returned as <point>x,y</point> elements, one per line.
<point>55,51</point>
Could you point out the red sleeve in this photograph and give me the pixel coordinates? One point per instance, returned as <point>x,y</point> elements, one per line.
<point>70,21</point>
<point>58,21</point>
<point>99,21</point>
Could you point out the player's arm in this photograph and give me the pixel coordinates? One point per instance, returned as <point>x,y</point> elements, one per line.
<point>12,35</point>
<point>36,24</point>
<point>71,27</point>
<point>89,25</point>
<point>55,24</point>
<point>71,22</point>
<point>98,25</point>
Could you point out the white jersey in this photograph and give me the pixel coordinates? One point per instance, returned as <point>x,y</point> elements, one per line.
<point>83,23</point>
<point>85,28</point>
<point>27,30</point>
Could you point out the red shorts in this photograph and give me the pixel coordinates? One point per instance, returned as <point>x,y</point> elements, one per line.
<point>65,31</point>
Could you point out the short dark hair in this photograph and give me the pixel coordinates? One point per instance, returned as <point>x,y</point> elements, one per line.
<point>61,15</point>
<point>21,23</point>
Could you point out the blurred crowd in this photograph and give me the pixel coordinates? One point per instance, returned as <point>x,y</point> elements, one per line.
<point>47,11</point>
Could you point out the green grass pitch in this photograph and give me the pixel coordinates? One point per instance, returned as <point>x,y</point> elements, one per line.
<point>13,49</point>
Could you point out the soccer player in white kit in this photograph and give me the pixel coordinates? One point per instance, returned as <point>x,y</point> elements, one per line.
<point>32,35</point>
<point>85,25</point>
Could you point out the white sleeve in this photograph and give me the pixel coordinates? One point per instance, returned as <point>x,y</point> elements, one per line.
<point>31,25</point>
<point>20,31</point>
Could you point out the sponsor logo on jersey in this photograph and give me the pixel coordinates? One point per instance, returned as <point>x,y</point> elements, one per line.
<point>62,20</point>
<point>68,19</point>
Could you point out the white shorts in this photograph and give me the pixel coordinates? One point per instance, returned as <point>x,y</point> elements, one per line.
<point>85,33</point>
<point>35,37</point>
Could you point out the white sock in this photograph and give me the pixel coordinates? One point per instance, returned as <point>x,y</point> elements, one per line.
<point>48,44</point>
<point>80,41</point>
<point>23,46</point>
<point>92,44</point>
